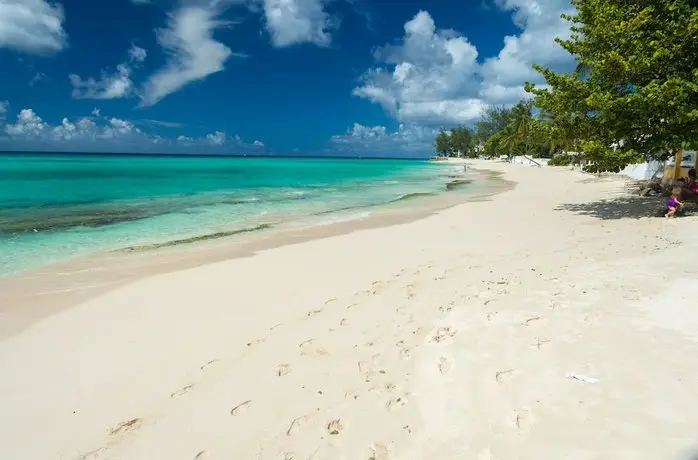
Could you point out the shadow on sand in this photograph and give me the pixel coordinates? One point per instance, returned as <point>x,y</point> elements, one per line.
<point>632,207</point>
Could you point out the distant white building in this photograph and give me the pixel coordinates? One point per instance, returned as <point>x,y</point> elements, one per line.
<point>645,171</point>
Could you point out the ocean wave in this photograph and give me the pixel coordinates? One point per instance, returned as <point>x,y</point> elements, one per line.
<point>457,183</point>
<point>194,239</point>
<point>346,218</point>
<point>412,196</point>
<point>336,210</point>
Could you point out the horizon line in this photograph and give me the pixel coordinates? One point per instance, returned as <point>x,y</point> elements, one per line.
<point>206,155</point>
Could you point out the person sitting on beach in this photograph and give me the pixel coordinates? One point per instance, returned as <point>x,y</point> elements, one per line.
<point>673,203</point>
<point>690,186</point>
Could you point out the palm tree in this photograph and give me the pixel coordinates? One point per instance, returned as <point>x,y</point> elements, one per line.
<point>521,125</point>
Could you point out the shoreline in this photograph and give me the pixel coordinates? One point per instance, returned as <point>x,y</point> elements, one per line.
<point>528,325</point>
<point>79,279</point>
<point>61,226</point>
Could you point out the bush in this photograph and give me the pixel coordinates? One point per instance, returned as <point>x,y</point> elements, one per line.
<point>560,160</point>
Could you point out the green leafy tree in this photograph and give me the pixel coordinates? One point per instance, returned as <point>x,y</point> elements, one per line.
<point>442,143</point>
<point>553,135</point>
<point>456,142</point>
<point>495,145</point>
<point>493,120</point>
<point>520,129</point>
<point>462,140</point>
<point>634,94</point>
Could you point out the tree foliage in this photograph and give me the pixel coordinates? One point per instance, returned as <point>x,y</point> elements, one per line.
<point>458,142</point>
<point>493,120</point>
<point>508,131</point>
<point>516,131</point>
<point>634,94</point>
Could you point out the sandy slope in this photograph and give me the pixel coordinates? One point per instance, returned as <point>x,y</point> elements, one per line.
<point>446,338</point>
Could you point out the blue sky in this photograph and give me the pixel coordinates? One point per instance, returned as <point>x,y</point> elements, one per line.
<point>364,77</point>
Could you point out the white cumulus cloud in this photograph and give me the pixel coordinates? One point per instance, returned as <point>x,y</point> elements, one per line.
<point>291,22</point>
<point>430,76</point>
<point>99,134</point>
<point>28,124</point>
<point>504,75</point>
<point>433,76</point>
<point>137,54</point>
<point>193,53</point>
<point>407,140</point>
<point>217,138</point>
<point>111,85</point>
<point>32,26</point>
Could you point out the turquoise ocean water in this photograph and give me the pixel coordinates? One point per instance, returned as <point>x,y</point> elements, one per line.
<point>55,206</point>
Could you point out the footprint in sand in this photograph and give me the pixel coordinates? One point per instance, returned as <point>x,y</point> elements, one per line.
<point>540,342</point>
<point>203,455</point>
<point>365,367</point>
<point>249,344</point>
<point>531,320</point>
<point>503,376</point>
<point>181,391</point>
<point>314,312</point>
<point>125,427</point>
<point>442,334</point>
<point>296,424</point>
<point>396,403</point>
<point>379,452</point>
<point>213,361</point>
<point>405,353</point>
<point>283,370</point>
<point>344,322</point>
<point>307,349</point>
<point>335,427</point>
<point>522,419</point>
<point>444,365</point>
<point>240,408</point>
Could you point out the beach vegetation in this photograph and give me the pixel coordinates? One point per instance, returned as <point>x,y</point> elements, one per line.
<point>516,130</point>
<point>456,142</point>
<point>493,120</point>
<point>634,93</point>
<point>560,160</point>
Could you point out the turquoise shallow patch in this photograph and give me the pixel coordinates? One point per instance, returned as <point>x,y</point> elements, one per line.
<point>55,206</point>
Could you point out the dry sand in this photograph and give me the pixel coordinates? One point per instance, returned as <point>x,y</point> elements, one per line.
<point>452,337</point>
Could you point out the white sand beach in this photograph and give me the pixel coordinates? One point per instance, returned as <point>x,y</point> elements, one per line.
<point>543,323</point>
